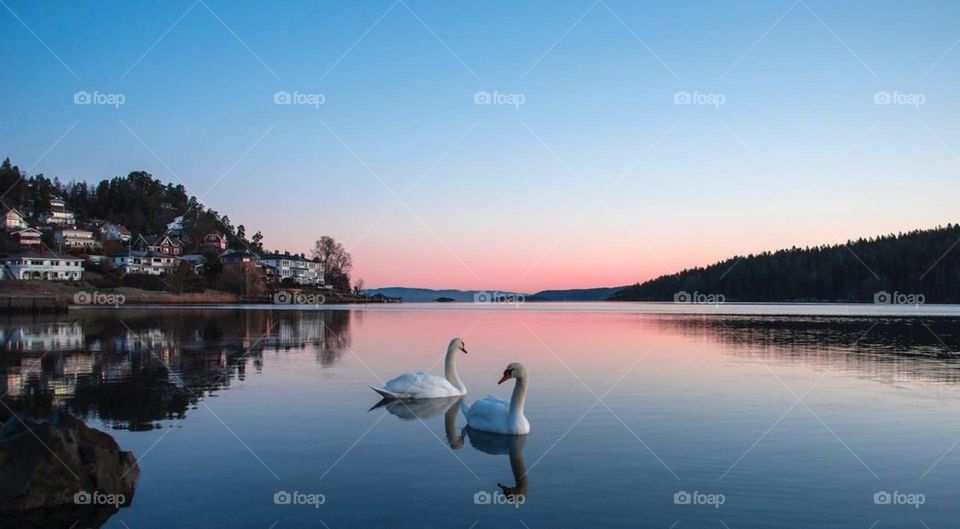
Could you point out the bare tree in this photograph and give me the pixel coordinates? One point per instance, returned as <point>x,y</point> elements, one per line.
<point>333,255</point>
<point>336,262</point>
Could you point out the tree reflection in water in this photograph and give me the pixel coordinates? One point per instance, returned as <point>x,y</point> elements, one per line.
<point>134,367</point>
<point>884,349</point>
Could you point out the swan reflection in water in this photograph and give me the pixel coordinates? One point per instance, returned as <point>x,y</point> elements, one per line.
<point>410,409</point>
<point>488,443</point>
<point>424,409</point>
<point>499,444</point>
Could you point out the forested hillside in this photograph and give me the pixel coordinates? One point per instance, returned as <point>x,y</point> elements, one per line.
<point>138,201</point>
<point>924,262</point>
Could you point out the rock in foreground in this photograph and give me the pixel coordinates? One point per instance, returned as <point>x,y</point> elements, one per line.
<point>61,462</point>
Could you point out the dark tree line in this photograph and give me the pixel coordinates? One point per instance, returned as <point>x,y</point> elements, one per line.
<point>141,203</point>
<point>137,201</point>
<point>923,262</point>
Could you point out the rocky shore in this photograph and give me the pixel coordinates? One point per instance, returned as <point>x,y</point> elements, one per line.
<point>60,468</point>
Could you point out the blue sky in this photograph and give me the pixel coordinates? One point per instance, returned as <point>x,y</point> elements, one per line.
<point>598,178</point>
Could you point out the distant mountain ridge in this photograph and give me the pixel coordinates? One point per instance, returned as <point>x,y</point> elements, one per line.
<point>420,295</point>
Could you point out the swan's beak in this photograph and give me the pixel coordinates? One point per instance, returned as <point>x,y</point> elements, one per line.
<point>464,349</point>
<point>506,377</point>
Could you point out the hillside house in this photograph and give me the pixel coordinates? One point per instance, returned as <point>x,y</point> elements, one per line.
<point>143,262</point>
<point>214,241</point>
<point>14,220</point>
<point>42,266</point>
<point>175,228</point>
<point>114,232</point>
<point>296,268</point>
<point>164,244</point>
<point>59,215</point>
<point>75,239</point>
<point>28,237</point>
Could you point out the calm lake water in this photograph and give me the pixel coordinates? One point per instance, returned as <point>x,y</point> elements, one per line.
<point>640,418</point>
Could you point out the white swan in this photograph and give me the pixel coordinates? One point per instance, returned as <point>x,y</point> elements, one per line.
<point>496,415</point>
<point>426,386</point>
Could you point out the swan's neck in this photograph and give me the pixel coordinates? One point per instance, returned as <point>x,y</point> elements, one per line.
<point>519,471</point>
<point>518,398</point>
<point>450,425</point>
<point>450,368</point>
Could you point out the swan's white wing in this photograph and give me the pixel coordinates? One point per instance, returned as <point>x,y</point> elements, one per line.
<point>490,414</point>
<point>421,386</point>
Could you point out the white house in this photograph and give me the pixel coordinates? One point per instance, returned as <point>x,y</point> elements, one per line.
<point>46,337</point>
<point>114,232</point>
<point>59,215</point>
<point>75,239</point>
<point>175,228</point>
<point>14,220</point>
<point>296,268</point>
<point>142,262</point>
<point>46,266</point>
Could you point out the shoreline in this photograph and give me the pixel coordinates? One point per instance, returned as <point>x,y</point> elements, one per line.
<point>49,297</point>
<point>744,310</point>
<point>60,298</point>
